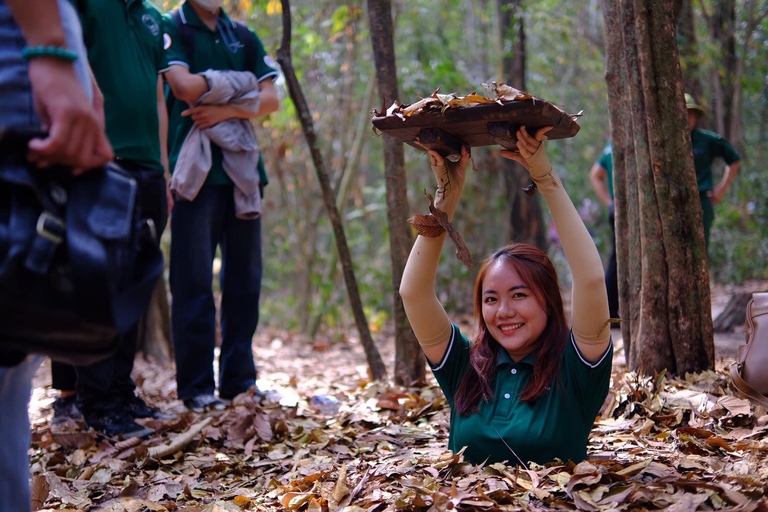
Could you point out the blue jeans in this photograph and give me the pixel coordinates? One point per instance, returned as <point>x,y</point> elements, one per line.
<point>197,227</point>
<point>15,389</point>
<point>17,110</point>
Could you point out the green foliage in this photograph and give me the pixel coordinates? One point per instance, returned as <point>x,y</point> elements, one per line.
<point>455,45</point>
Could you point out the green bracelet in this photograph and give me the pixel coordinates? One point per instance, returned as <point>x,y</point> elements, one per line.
<point>34,52</point>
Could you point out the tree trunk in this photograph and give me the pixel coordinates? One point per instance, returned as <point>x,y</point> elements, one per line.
<point>297,96</point>
<point>726,77</point>
<point>409,359</point>
<point>689,48</point>
<point>526,219</point>
<point>663,277</point>
<point>735,312</point>
<point>154,338</point>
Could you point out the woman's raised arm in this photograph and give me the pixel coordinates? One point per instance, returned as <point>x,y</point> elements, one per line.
<point>426,315</point>
<point>589,305</point>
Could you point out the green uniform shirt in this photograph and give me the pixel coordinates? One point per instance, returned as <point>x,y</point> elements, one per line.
<point>125,50</point>
<point>707,146</point>
<point>606,162</point>
<point>210,52</point>
<point>557,425</point>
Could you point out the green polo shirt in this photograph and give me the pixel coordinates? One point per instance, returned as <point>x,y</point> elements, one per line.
<point>606,162</point>
<point>210,52</point>
<point>707,146</point>
<point>557,425</point>
<point>125,50</point>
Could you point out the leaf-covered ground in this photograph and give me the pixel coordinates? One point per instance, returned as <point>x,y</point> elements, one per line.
<point>674,444</point>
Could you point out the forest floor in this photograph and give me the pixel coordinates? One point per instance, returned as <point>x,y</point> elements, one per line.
<point>680,444</point>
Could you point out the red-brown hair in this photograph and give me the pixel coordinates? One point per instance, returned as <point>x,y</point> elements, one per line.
<point>538,273</point>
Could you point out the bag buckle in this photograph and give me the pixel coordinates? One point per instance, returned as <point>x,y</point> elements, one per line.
<point>51,228</point>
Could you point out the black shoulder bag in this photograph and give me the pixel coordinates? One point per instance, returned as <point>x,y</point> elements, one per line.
<point>77,264</point>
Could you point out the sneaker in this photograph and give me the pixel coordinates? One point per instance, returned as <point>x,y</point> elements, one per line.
<point>65,409</point>
<point>203,403</point>
<point>113,423</point>
<point>138,408</point>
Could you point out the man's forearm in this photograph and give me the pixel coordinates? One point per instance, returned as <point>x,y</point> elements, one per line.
<point>730,173</point>
<point>40,21</point>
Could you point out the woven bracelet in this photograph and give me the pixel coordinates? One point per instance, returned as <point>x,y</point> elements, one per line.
<point>55,52</point>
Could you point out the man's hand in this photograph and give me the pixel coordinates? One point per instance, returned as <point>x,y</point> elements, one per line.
<point>75,132</point>
<point>206,116</point>
<point>716,194</point>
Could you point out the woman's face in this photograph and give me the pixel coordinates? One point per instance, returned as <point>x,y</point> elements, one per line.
<point>511,311</point>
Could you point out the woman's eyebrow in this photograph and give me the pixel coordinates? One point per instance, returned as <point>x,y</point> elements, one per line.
<point>516,287</point>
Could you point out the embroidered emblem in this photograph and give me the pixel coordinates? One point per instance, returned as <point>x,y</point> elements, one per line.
<point>151,24</point>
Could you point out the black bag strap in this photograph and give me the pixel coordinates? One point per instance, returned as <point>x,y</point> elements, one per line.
<point>249,42</point>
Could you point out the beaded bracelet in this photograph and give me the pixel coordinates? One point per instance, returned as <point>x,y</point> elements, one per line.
<point>34,52</point>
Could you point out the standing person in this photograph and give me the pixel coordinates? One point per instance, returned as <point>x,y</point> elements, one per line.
<point>707,147</point>
<point>202,37</point>
<point>43,85</point>
<point>526,388</point>
<point>601,177</point>
<point>124,40</point>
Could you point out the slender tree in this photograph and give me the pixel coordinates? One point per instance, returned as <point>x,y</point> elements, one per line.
<point>409,359</point>
<point>689,47</point>
<point>302,109</point>
<point>663,277</point>
<point>526,219</point>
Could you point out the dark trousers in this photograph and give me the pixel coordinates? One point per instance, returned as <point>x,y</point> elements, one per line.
<point>197,228</point>
<point>708,212</point>
<point>104,385</point>
<point>611,270</point>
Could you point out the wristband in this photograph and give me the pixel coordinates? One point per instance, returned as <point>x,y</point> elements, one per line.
<point>35,52</point>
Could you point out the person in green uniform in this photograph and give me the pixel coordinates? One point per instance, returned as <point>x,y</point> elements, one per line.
<point>124,41</point>
<point>200,225</point>
<point>526,387</point>
<point>601,177</point>
<point>707,147</point>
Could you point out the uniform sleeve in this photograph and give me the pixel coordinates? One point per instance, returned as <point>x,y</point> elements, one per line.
<point>605,160</point>
<point>724,150</point>
<point>174,49</point>
<point>161,63</point>
<point>589,380</point>
<point>451,369</point>
<point>265,67</point>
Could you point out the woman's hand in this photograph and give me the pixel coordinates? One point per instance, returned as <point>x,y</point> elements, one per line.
<point>450,179</point>
<point>531,152</point>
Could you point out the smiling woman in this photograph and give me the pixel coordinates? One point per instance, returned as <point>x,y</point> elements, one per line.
<point>526,388</point>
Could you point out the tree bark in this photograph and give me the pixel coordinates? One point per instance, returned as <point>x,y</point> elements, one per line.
<point>663,277</point>
<point>689,48</point>
<point>409,358</point>
<point>297,96</point>
<point>154,338</point>
<point>526,218</point>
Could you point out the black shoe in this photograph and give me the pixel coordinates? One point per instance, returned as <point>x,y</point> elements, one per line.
<point>203,403</point>
<point>138,408</point>
<point>65,409</point>
<point>113,423</point>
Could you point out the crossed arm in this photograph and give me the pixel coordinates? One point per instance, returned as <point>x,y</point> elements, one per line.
<point>188,87</point>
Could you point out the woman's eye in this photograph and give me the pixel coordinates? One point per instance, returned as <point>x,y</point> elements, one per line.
<point>490,300</point>
<point>519,295</point>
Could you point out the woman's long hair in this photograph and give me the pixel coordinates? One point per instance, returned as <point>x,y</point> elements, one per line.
<point>539,274</point>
